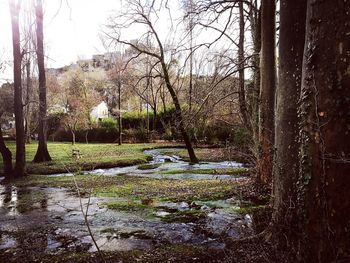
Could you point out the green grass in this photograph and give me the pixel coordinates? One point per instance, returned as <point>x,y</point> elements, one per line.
<point>93,156</point>
<point>138,188</point>
<point>230,171</point>
<point>147,166</point>
<point>184,216</point>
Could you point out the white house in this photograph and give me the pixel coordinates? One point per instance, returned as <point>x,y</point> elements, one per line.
<point>99,112</point>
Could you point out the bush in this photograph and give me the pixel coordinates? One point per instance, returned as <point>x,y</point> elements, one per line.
<point>161,127</point>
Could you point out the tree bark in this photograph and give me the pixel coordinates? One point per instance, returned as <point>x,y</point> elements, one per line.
<point>242,96</point>
<point>20,165</point>
<point>73,137</point>
<point>87,136</point>
<point>267,91</point>
<point>42,154</point>
<point>253,94</point>
<point>286,170</point>
<point>120,125</point>
<point>28,108</point>
<point>324,183</point>
<point>178,114</point>
<point>6,158</point>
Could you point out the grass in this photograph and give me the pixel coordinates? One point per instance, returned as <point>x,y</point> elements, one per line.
<point>139,188</point>
<point>148,166</point>
<point>230,171</point>
<point>184,216</point>
<point>93,156</point>
<point>128,206</point>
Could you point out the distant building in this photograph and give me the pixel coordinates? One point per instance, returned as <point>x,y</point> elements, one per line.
<point>100,112</point>
<point>8,123</point>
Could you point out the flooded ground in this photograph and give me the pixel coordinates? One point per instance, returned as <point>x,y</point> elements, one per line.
<point>53,217</point>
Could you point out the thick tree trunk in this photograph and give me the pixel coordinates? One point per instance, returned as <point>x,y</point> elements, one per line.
<point>20,166</point>
<point>241,59</point>
<point>6,158</point>
<point>267,91</point>
<point>179,117</point>
<point>286,169</point>
<point>324,182</point>
<point>42,154</point>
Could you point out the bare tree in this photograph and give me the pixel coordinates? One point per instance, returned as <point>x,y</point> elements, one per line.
<point>42,154</point>
<point>6,107</point>
<point>20,166</point>
<point>267,91</point>
<point>286,163</point>
<point>140,13</point>
<point>241,61</point>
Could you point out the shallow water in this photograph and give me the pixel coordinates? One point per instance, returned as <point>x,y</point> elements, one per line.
<point>58,210</point>
<point>54,218</point>
<point>167,163</point>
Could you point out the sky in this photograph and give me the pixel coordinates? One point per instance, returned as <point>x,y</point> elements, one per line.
<point>71,30</point>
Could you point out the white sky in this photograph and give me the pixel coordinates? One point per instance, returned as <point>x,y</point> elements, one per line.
<point>69,31</point>
<point>72,28</point>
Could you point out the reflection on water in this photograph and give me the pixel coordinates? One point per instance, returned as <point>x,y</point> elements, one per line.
<point>15,201</point>
<point>9,199</point>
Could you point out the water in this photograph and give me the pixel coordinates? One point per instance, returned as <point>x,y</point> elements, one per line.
<point>57,211</point>
<point>167,163</point>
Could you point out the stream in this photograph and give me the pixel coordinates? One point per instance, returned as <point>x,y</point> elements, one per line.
<point>56,223</point>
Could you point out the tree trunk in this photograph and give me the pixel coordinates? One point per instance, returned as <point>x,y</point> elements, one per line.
<point>42,154</point>
<point>6,158</point>
<point>324,182</point>
<point>73,137</point>
<point>154,116</point>
<point>20,166</point>
<point>178,114</point>
<point>291,50</point>
<point>27,108</point>
<point>242,97</point>
<point>254,91</point>
<point>87,136</point>
<point>190,7</point>
<point>120,119</point>
<point>267,91</point>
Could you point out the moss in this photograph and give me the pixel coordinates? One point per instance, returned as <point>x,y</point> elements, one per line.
<point>248,209</point>
<point>184,216</point>
<point>130,206</point>
<point>230,171</point>
<point>140,188</point>
<point>148,166</point>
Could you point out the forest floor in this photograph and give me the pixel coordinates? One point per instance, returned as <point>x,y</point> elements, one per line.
<point>161,210</point>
